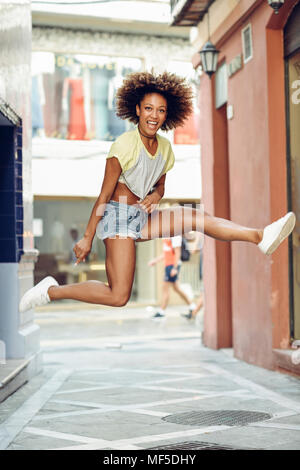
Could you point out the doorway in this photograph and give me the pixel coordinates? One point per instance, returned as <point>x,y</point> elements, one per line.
<point>293,72</point>
<point>292,64</point>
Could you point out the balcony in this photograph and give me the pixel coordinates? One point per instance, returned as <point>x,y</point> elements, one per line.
<point>188,12</point>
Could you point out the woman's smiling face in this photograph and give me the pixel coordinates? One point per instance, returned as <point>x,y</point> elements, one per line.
<point>152,113</point>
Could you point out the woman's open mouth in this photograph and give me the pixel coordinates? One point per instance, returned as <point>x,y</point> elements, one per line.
<point>152,124</point>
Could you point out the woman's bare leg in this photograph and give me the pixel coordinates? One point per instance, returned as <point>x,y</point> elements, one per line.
<point>199,305</point>
<point>120,267</point>
<point>179,220</point>
<point>165,295</point>
<point>180,292</point>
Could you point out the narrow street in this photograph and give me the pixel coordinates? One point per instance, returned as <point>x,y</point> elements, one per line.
<point>115,379</point>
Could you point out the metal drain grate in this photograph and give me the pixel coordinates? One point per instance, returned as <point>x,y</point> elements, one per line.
<point>215,418</point>
<point>195,445</point>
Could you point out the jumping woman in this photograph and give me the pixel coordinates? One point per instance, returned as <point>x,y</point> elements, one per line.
<point>126,210</point>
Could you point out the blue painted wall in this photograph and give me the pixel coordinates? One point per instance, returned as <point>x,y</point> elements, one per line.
<point>11,199</point>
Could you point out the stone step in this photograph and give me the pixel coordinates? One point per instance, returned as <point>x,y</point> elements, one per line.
<point>16,372</point>
<point>283,360</point>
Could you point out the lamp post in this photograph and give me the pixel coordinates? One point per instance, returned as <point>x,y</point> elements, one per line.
<point>276,4</point>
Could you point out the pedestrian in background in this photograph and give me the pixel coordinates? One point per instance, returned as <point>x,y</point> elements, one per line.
<point>198,246</point>
<point>74,239</point>
<point>172,260</point>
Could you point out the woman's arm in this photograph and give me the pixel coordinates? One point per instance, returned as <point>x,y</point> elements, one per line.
<point>177,251</point>
<point>151,201</point>
<point>112,172</point>
<point>160,186</point>
<point>153,261</point>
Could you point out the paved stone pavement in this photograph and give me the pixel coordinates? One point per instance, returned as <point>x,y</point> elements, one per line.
<point>114,379</point>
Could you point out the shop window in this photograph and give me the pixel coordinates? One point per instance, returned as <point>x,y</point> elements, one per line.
<point>73,96</point>
<point>58,224</point>
<point>221,85</point>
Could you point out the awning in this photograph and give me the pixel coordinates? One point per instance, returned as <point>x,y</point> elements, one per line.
<point>188,12</point>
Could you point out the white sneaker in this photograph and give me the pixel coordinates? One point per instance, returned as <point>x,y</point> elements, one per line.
<point>158,316</point>
<point>37,295</point>
<point>276,232</point>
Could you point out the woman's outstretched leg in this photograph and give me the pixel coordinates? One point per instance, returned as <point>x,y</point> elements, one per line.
<point>120,267</point>
<point>226,230</point>
<point>179,220</point>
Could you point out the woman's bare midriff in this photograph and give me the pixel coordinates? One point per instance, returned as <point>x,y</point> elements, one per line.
<point>124,195</point>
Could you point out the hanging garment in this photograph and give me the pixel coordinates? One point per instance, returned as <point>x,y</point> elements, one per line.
<point>36,107</point>
<point>50,124</point>
<point>99,103</point>
<point>87,104</point>
<point>62,108</point>
<point>77,125</point>
<point>116,125</point>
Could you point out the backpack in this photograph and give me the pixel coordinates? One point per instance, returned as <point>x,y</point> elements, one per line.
<point>185,253</point>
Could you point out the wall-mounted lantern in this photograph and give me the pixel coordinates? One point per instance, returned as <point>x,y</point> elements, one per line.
<point>209,58</point>
<point>276,4</point>
<point>209,54</point>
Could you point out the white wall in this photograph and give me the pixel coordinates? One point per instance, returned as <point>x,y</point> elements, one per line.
<point>156,51</point>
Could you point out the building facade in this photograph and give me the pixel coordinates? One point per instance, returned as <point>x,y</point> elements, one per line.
<point>249,134</point>
<point>19,336</point>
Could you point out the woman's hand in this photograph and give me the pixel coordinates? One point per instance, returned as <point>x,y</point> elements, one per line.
<point>173,272</point>
<point>150,203</point>
<point>82,249</point>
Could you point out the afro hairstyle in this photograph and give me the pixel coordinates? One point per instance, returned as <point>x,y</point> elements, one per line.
<point>176,91</point>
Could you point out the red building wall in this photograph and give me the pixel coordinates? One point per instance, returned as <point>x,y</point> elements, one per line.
<point>256,192</point>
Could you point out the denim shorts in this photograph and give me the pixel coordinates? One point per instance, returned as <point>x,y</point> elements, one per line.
<point>168,277</point>
<point>121,219</point>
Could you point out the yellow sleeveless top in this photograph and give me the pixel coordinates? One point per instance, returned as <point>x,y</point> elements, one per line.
<point>140,169</point>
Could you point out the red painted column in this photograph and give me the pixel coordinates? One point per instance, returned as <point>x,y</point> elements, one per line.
<point>217,258</point>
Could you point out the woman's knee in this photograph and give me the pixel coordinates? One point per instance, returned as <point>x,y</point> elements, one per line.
<point>120,298</point>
